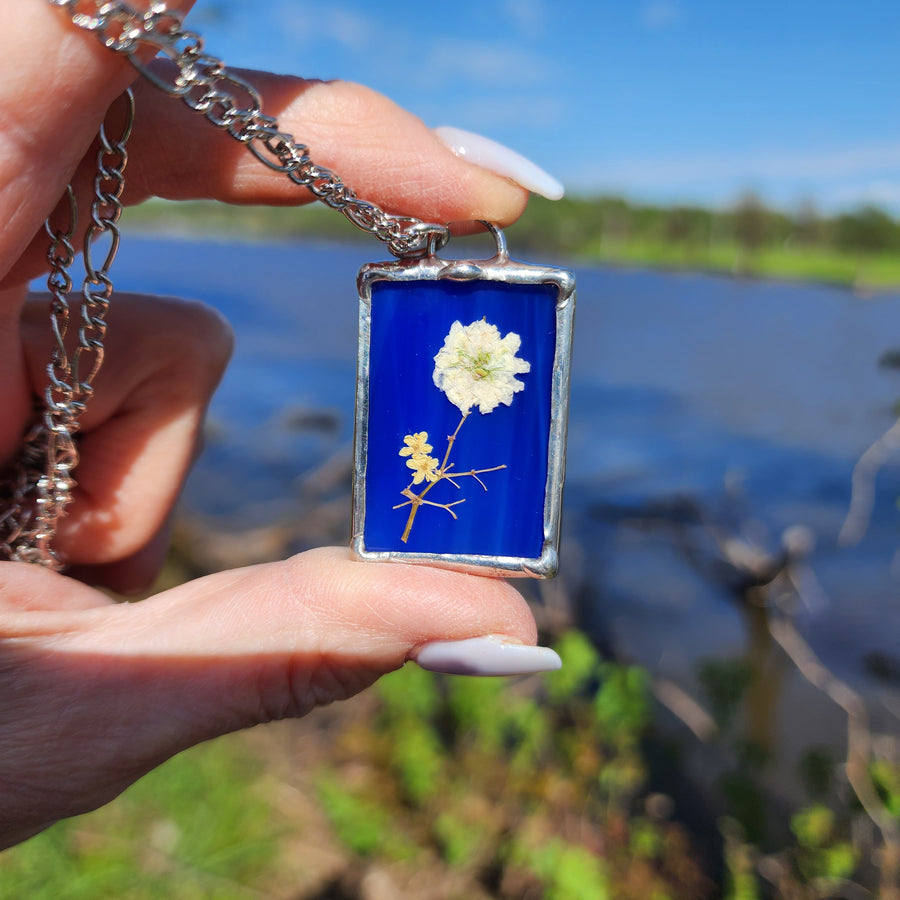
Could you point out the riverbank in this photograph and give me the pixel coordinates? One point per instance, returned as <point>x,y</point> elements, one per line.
<point>570,231</point>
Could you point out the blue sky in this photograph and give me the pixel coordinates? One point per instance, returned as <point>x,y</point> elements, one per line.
<point>659,100</point>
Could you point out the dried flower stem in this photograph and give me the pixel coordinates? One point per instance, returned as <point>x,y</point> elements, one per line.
<point>417,500</point>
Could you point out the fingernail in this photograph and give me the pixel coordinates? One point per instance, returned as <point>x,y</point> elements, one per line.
<point>490,655</point>
<point>488,154</point>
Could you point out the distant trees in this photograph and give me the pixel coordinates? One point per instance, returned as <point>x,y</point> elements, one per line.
<point>859,248</point>
<point>688,225</point>
<point>809,227</point>
<point>751,223</point>
<point>598,226</point>
<point>869,229</point>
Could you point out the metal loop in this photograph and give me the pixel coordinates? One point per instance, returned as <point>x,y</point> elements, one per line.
<point>127,128</point>
<point>66,235</point>
<point>266,136</point>
<point>502,254</point>
<point>174,87</point>
<point>419,239</point>
<point>94,233</point>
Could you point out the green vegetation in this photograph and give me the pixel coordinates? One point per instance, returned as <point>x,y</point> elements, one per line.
<point>515,793</point>
<point>833,852</point>
<point>820,854</point>
<point>858,249</point>
<point>196,828</point>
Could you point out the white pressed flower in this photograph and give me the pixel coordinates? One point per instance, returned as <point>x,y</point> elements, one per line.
<point>476,367</point>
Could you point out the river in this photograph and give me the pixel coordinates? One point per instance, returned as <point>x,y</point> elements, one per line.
<point>740,405</point>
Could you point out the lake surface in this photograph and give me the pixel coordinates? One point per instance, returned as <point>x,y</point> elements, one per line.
<point>744,402</point>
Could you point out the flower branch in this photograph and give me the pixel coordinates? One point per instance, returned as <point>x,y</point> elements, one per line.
<point>474,368</point>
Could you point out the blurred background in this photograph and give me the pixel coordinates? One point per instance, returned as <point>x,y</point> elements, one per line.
<point>727,719</point>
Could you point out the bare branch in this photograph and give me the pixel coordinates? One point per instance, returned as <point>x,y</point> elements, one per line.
<point>686,708</point>
<point>862,497</point>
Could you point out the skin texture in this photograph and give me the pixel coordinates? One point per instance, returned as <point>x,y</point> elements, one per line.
<point>93,694</point>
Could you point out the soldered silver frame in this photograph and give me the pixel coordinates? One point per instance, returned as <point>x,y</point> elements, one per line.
<point>499,268</point>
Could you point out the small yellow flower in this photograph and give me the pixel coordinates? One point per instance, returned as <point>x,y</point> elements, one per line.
<point>416,445</point>
<point>424,467</point>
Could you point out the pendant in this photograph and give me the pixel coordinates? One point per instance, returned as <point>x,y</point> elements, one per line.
<point>461,411</point>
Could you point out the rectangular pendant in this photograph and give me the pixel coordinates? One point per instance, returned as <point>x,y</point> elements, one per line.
<point>461,412</point>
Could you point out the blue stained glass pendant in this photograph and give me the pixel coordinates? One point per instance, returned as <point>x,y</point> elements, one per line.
<point>462,401</point>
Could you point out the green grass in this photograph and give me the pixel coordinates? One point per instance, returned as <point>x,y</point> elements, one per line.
<point>869,271</point>
<point>195,828</point>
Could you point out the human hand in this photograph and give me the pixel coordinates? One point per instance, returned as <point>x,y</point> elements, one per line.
<point>93,693</point>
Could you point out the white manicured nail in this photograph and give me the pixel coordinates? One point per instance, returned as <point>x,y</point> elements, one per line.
<point>488,154</point>
<point>490,655</point>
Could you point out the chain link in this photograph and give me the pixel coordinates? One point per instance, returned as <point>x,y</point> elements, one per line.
<point>42,485</point>
<point>230,103</point>
<point>97,288</point>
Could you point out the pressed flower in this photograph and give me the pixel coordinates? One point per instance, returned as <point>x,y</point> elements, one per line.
<point>476,366</point>
<point>424,468</point>
<point>416,445</point>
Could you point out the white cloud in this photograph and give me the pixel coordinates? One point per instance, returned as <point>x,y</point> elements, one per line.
<point>660,14</point>
<point>834,178</point>
<point>762,164</point>
<point>344,26</point>
<point>528,17</point>
<point>487,63</point>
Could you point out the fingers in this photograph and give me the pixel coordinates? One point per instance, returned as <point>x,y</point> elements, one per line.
<point>131,574</point>
<point>385,154</point>
<point>105,693</point>
<point>140,430</point>
<point>281,638</point>
<point>15,395</point>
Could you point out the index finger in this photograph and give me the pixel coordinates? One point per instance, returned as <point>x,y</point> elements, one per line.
<point>386,155</point>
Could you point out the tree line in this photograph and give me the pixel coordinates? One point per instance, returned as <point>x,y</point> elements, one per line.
<point>860,248</point>
<point>585,226</point>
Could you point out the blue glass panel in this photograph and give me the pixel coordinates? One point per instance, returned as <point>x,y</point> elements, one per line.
<point>409,322</point>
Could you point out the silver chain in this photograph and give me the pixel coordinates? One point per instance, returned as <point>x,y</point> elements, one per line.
<point>42,484</point>
<point>35,498</point>
<point>205,84</point>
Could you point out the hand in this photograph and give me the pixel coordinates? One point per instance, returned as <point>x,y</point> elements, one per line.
<point>93,693</point>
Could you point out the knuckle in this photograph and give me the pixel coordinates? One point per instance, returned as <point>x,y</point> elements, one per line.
<point>189,341</point>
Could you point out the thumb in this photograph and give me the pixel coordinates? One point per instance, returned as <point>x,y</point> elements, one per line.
<point>313,629</point>
<point>105,692</point>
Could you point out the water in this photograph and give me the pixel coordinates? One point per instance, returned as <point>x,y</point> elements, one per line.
<point>748,401</point>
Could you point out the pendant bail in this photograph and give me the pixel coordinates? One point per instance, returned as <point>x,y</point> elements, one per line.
<point>502,254</point>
